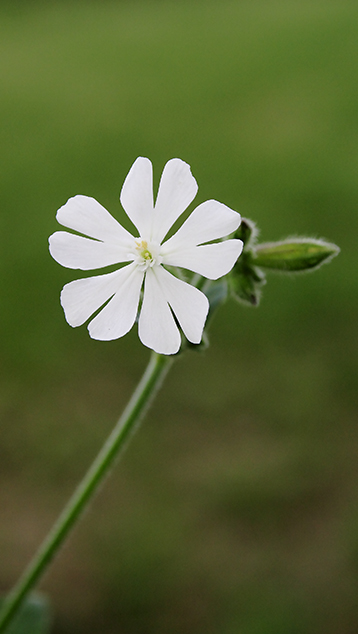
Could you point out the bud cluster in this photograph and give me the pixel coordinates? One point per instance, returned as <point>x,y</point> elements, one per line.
<point>293,255</point>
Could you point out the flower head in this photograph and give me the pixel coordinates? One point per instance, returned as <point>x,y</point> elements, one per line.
<point>146,256</point>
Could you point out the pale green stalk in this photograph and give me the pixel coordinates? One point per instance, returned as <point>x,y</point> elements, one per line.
<point>140,401</point>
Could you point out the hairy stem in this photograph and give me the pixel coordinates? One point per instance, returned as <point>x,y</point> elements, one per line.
<point>132,415</point>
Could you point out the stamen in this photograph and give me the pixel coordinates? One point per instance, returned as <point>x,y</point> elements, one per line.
<point>146,255</point>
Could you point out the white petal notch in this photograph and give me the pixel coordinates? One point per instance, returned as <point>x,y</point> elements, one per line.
<point>167,301</point>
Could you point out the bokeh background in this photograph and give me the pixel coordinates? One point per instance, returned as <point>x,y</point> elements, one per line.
<point>235,509</point>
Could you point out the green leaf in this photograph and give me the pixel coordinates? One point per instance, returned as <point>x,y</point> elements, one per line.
<point>294,255</point>
<point>34,617</point>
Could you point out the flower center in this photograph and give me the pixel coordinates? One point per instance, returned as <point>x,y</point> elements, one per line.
<point>143,251</point>
<point>146,255</point>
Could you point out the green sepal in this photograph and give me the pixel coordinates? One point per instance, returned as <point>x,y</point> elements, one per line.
<point>247,232</point>
<point>216,292</point>
<point>246,280</point>
<point>34,617</point>
<point>294,255</point>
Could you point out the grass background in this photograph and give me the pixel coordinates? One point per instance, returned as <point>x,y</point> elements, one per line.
<point>235,510</point>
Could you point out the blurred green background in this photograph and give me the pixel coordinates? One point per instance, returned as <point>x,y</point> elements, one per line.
<point>235,509</point>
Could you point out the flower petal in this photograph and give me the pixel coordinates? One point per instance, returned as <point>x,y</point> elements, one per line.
<point>137,195</point>
<point>85,215</point>
<point>81,298</point>
<point>210,260</point>
<point>157,328</point>
<point>76,252</point>
<point>189,305</point>
<point>209,221</point>
<point>118,316</point>
<point>177,189</point>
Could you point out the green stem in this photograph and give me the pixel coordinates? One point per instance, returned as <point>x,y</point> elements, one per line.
<point>140,401</point>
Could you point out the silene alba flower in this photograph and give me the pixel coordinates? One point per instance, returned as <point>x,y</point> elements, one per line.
<point>167,300</point>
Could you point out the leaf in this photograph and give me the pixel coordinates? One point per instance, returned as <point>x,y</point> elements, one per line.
<point>34,617</point>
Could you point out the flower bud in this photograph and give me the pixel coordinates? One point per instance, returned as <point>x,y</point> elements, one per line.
<point>294,255</point>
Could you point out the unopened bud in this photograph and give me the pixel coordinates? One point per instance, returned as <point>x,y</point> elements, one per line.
<point>294,255</point>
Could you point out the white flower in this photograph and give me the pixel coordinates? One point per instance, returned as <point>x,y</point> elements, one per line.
<point>147,254</point>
